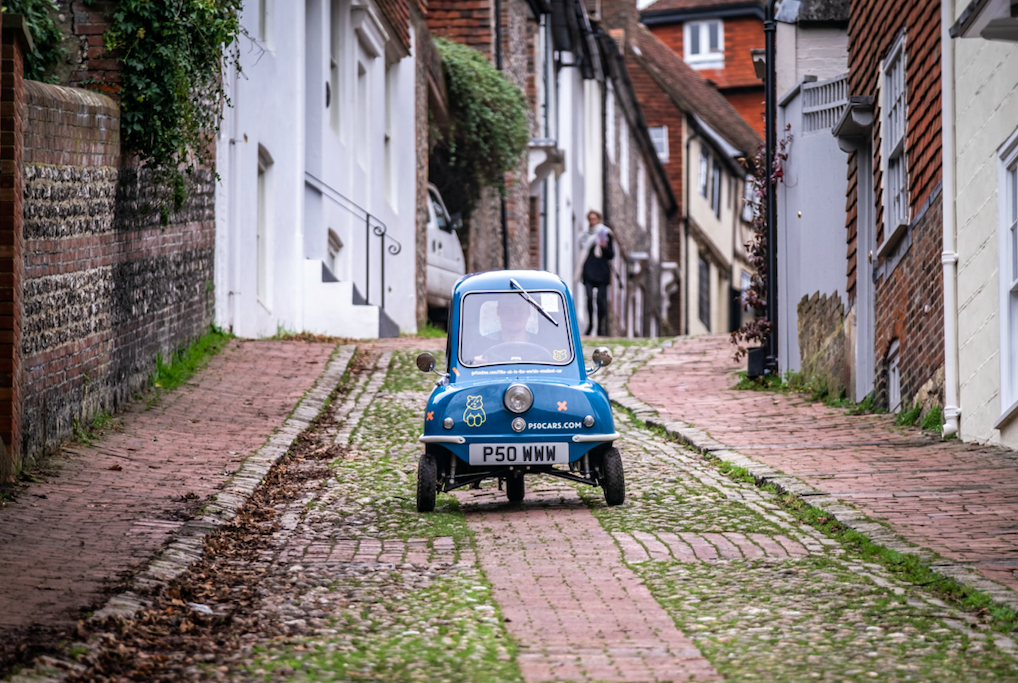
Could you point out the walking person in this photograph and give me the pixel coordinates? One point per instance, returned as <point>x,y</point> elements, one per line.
<point>597,249</point>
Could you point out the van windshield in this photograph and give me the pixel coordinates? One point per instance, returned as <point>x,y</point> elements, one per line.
<point>503,327</point>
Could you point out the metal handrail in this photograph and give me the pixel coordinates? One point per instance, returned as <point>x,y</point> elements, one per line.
<point>371,225</point>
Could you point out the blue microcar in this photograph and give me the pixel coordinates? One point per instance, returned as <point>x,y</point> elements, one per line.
<point>515,399</point>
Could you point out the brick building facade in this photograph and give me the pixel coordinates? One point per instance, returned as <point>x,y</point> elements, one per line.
<point>894,58</point>
<point>740,30</point>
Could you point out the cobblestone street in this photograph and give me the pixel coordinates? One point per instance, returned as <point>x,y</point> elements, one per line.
<point>328,572</point>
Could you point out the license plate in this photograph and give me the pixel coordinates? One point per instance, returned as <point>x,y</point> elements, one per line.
<point>519,453</point>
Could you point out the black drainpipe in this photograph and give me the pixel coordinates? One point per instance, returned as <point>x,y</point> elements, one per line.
<point>685,209</point>
<point>498,65</point>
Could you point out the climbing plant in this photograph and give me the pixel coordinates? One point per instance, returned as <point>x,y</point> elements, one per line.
<point>46,36</point>
<point>755,331</point>
<point>488,130</point>
<point>171,54</point>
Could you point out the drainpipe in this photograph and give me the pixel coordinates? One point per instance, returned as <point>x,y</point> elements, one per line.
<point>770,141</point>
<point>952,411</point>
<point>685,210</point>
<point>502,207</point>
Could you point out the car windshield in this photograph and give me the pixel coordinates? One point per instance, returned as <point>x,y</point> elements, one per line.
<point>503,327</point>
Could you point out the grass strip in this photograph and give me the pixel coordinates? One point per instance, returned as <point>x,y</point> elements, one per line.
<point>187,360</point>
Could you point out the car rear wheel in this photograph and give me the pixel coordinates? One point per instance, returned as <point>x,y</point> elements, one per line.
<point>613,481</point>
<point>427,483</point>
<point>515,489</point>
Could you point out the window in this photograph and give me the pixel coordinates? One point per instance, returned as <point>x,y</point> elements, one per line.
<point>704,292</point>
<point>745,283</point>
<point>704,166</point>
<point>335,245</point>
<point>715,192</point>
<point>749,200</point>
<point>704,43</point>
<point>335,49</point>
<point>362,116</point>
<point>659,136</point>
<point>500,328</point>
<point>624,152</point>
<point>263,225</point>
<point>641,194</point>
<point>390,171</point>
<point>264,20</point>
<point>895,127</point>
<point>609,119</point>
<point>893,378</point>
<point>1008,212</point>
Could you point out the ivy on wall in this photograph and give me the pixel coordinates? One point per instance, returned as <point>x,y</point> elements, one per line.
<point>488,130</point>
<point>171,94</point>
<point>46,36</point>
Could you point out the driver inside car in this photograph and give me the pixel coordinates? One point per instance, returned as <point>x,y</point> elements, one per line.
<point>513,313</point>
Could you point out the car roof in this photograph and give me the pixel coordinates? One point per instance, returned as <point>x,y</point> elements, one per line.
<point>499,280</point>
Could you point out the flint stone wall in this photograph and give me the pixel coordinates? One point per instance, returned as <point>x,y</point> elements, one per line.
<point>106,287</point>
<point>823,343</point>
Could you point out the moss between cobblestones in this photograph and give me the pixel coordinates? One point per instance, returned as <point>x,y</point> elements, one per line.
<point>833,615</point>
<point>400,625</point>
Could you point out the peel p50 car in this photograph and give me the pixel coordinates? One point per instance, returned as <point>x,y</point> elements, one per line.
<point>515,399</point>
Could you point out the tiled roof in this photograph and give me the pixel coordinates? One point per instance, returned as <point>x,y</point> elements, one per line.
<point>662,5</point>
<point>691,92</point>
<point>397,13</point>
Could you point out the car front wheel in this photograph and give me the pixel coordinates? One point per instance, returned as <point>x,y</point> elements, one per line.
<point>427,483</point>
<point>613,481</point>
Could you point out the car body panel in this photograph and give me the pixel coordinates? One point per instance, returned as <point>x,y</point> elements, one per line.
<point>473,397</point>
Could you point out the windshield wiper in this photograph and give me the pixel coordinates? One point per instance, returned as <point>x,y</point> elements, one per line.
<point>526,295</point>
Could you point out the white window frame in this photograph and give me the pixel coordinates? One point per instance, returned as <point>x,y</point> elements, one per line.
<point>641,194</point>
<point>704,170</point>
<point>659,136</point>
<point>894,134</point>
<point>624,152</point>
<point>715,193</point>
<point>704,58</point>
<point>1007,197</point>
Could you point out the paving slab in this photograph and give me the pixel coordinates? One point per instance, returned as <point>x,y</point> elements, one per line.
<point>107,509</point>
<point>957,499</point>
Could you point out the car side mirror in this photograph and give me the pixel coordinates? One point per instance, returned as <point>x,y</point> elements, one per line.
<point>602,356</point>
<point>425,362</point>
<point>456,221</point>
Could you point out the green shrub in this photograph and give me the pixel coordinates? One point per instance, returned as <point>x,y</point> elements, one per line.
<point>171,95</point>
<point>46,36</point>
<point>488,131</point>
<point>908,418</point>
<point>934,419</point>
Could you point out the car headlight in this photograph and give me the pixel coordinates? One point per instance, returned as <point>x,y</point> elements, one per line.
<point>518,398</point>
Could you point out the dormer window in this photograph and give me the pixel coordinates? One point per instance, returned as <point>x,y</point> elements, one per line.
<point>704,44</point>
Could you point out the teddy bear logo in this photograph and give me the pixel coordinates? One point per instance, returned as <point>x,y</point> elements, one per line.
<point>560,354</point>
<point>474,414</point>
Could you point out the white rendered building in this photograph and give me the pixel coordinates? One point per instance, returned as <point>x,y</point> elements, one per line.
<point>316,158</point>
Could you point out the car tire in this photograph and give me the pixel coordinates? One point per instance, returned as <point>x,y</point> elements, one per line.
<point>427,483</point>
<point>613,480</point>
<point>515,488</point>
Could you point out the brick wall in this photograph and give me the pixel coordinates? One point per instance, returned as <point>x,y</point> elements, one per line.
<point>106,287</point>
<point>737,81</point>
<point>908,304</point>
<point>468,22</point>
<point>909,308</point>
<point>12,121</point>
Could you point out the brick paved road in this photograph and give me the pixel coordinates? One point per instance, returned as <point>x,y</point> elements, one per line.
<point>960,500</point>
<point>63,540</point>
<point>576,609</point>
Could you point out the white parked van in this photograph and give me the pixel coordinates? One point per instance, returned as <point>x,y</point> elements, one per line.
<point>446,264</point>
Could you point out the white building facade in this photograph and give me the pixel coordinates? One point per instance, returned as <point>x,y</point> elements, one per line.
<point>317,199</point>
